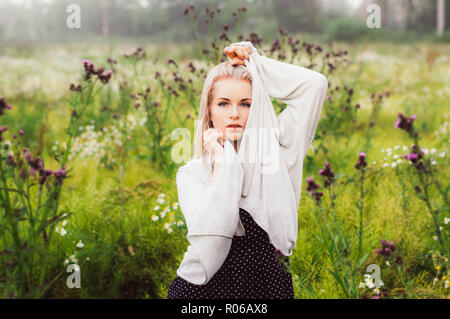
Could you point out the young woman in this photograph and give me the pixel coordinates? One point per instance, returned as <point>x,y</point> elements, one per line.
<point>241,214</point>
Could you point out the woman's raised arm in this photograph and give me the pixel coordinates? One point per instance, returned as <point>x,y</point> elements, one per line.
<point>302,89</point>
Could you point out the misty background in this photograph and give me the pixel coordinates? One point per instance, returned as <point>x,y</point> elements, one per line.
<point>164,21</point>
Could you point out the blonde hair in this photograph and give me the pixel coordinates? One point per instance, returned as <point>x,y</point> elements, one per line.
<point>224,70</point>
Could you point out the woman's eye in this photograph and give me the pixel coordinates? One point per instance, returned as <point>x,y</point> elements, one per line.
<point>247,104</point>
<point>220,104</point>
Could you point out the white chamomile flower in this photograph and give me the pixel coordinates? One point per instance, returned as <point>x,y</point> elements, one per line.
<point>166,225</point>
<point>169,230</point>
<point>399,161</point>
<point>382,150</point>
<point>87,258</point>
<point>161,195</point>
<point>66,261</point>
<point>394,164</point>
<point>387,263</point>
<point>377,291</point>
<point>374,162</point>
<point>433,162</point>
<point>160,201</point>
<point>433,150</point>
<point>179,223</point>
<point>441,228</point>
<point>405,148</point>
<point>155,218</point>
<point>156,207</point>
<point>80,244</point>
<point>73,259</point>
<point>446,284</point>
<point>446,219</point>
<point>389,150</point>
<point>395,156</point>
<point>385,165</point>
<point>175,205</point>
<point>396,147</point>
<point>362,285</point>
<point>442,154</point>
<point>64,223</point>
<point>163,214</point>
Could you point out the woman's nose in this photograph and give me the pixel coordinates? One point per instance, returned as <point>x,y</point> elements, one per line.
<point>234,111</point>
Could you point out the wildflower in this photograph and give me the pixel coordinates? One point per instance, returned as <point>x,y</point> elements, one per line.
<point>175,205</point>
<point>362,285</point>
<point>377,291</point>
<point>64,223</point>
<point>387,263</point>
<point>60,230</point>
<point>160,201</point>
<point>163,214</point>
<point>446,219</point>
<point>179,223</point>
<point>155,218</point>
<point>169,230</point>
<point>66,261</point>
<point>361,163</point>
<point>60,175</point>
<point>395,156</point>
<point>80,244</point>
<point>398,259</point>
<point>405,123</point>
<point>435,237</point>
<point>435,280</point>
<point>438,268</point>
<point>4,106</point>
<point>405,148</point>
<point>73,259</point>
<point>156,207</point>
<point>385,165</point>
<point>442,154</point>
<point>446,284</point>
<point>328,174</point>
<point>394,164</point>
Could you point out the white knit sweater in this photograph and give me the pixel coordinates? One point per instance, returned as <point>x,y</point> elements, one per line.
<point>211,209</point>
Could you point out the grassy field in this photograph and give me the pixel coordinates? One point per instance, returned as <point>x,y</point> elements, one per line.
<point>113,210</point>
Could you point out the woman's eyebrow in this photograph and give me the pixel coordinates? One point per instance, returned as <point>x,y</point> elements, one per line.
<point>224,98</point>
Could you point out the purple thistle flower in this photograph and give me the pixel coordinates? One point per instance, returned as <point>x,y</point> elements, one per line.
<point>405,123</point>
<point>10,160</point>
<point>384,243</point>
<point>4,106</point>
<point>328,174</point>
<point>392,246</point>
<point>361,163</point>
<point>60,175</point>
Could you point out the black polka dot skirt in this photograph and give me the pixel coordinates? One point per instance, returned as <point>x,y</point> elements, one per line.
<point>252,269</point>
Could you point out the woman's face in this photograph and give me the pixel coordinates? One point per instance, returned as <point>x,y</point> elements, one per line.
<point>231,105</point>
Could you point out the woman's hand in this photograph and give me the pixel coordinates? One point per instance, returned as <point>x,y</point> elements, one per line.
<point>213,142</point>
<point>237,53</point>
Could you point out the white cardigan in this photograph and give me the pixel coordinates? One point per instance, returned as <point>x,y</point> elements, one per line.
<point>211,209</point>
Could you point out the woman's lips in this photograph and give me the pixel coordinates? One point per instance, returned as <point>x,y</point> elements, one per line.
<point>234,127</point>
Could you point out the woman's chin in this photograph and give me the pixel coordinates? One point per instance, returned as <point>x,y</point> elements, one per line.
<point>233,136</point>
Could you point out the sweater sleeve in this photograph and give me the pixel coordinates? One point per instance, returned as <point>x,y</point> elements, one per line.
<point>211,212</point>
<point>303,90</point>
